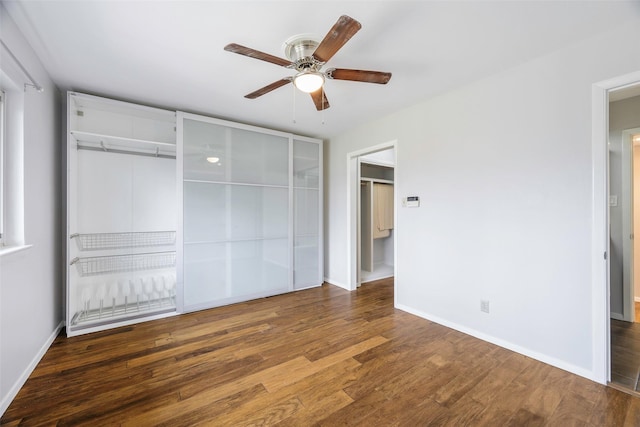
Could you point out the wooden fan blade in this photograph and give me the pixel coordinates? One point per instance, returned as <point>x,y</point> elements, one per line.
<point>359,75</point>
<point>268,88</point>
<point>252,53</point>
<point>320,99</point>
<point>337,36</point>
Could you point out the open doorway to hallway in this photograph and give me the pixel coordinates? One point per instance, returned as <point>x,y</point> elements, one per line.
<point>624,249</point>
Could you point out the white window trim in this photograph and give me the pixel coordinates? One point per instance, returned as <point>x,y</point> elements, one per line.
<point>7,250</point>
<point>3,97</point>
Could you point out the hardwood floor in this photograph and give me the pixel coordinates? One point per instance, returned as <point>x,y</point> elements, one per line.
<point>625,353</point>
<point>323,356</point>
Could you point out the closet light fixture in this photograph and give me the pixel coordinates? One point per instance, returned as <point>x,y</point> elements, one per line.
<point>213,159</point>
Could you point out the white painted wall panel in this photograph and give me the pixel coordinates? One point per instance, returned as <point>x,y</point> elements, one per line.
<point>31,281</point>
<point>503,170</point>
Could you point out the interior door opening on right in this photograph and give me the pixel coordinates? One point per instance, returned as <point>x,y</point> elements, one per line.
<point>376,221</point>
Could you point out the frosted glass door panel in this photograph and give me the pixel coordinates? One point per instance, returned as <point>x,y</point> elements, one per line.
<point>233,271</point>
<point>306,212</point>
<point>205,212</point>
<point>306,160</point>
<point>306,252</point>
<point>258,212</point>
<point>205,273</point>
<point>237,214</point>
<point>259,267</point>
<point>243,156</point>
<point>219,212</point>
<point>306,258</point>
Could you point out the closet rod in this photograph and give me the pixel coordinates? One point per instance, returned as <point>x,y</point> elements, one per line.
<point>102,148</point>
<point>33,83</point>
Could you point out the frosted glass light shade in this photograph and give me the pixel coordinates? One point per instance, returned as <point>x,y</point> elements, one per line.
<point>309,81</point>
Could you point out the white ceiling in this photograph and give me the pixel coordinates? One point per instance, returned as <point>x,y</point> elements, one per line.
<point>170,53</point>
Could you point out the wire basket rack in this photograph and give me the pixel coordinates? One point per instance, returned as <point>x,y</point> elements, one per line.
<point>98,241</point>
<point>94,266</point>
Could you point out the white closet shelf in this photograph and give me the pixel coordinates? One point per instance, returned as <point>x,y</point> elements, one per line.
<point>107,142</point>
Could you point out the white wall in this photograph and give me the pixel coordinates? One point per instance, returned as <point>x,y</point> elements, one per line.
<point>503,170</point>
<point>31,281</point>
<point>623,115</point>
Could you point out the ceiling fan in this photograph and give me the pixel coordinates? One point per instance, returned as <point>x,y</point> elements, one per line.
<point>307,57</point>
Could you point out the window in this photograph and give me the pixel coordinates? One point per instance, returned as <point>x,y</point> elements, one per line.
<point>11,167</point>
<point>14,81</point>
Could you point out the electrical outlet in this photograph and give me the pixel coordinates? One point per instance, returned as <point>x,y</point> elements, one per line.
<point>484,306</point>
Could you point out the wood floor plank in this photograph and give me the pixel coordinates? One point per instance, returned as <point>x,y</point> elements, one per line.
<point>610,409</point>
<point>632,417</point>
<point>322,356</point>
<point>310,416</point>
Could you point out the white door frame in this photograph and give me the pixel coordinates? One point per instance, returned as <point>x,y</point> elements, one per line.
<point>601,364</point>
<point>627,224</point>
<point>353,210</point>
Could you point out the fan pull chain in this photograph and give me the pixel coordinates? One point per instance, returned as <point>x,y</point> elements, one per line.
<point>323,98</point>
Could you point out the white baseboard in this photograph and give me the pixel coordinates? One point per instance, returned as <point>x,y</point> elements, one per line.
<point>336,283</point>
<point>6,400</point>
<point>586,373</point>
<point>616,316</point>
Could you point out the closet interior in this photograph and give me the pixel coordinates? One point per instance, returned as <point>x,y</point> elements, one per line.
<point>376,221</point>
<point>121,215</point>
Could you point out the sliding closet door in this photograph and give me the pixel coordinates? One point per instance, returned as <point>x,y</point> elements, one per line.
<point>236,213</point>
<point>307,207</point>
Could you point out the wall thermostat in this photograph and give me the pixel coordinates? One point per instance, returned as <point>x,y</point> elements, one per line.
<point>411,202</point>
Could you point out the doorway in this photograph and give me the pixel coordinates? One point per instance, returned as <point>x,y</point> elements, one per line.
<point>629,110</point>
<point>376,227</point>
<point>381,156</point>
<point>625,331</point>
<point>624,263</point>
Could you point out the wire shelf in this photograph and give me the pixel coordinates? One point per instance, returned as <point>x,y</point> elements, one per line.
<point>105,299</point>
<point>98,241</point>
<point>93,266</point>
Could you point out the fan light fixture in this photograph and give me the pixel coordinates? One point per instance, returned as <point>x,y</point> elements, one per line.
<point>213,159</point>
<point>309,81</point>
